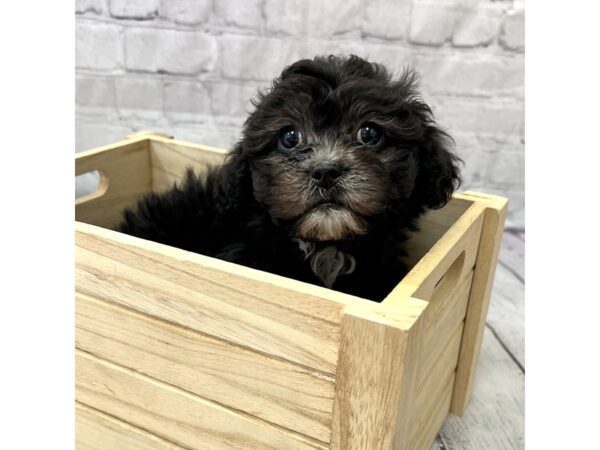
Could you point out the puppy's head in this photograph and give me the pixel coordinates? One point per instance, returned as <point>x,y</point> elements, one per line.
<point>336,145</point>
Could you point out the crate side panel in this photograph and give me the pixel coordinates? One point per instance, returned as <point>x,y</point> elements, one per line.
<point>270,389</point>
<point>433,379</point>
<point>453,257</point>
<point>442,322</point>
<point>194,292</point>
<point>172,413</point>
<point>424,435</point>
<point>432,227</point>
<point>125,170</point>
<point>95,430</point>
<point>169,160</point>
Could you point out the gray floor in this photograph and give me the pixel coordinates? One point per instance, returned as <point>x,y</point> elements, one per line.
<point>495,416</point>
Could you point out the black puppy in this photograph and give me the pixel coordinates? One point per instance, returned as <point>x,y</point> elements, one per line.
<point>335,165</point>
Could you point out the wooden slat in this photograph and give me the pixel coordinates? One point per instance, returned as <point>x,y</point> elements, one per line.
<point>274,315</point>
<point>95,430</point>
<point>462,238</point>
<point>125,175</point>
<point>273,390</point>
<point>169,160</point>
<point>434,389</point>
<point>174,414</point>
<point>375,385</point>
<point>423,436</point>
<point>443,321</point>
<point>431,381</point>
<point>487,256</point>
<point>432,227</point>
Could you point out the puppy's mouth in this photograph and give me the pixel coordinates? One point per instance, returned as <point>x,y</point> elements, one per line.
<point>327,205</point>
<point>327,220</point>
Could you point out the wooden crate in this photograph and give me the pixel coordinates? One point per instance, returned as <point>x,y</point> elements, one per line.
<point>179,350</point>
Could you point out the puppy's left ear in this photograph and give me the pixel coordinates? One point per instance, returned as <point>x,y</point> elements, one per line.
<point>233,180</point>
<point>439,173</point>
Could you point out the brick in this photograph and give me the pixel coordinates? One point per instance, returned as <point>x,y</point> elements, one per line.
<point>240,13</point>
<point>94,6</point>
<point>90,135</point>
<point>98,46</point>
<point>512,35</point>
<point>474,155</point>
<point>138,98</point>
<point>232,99</point>
<point>170,51</point>
<point>393,57</point>
<point>324,47</point>
<point>507,168</point>
<point>186,101</point>
<point>477,27</point>
<point>329,18</point>
<point>95,95</point>
<point>286,17</point>
<point>432,23</point>
<point>480,152</point>
<point>386,19</point>
<point>483,76</point>
<point>186,12</point>
<point>134,9</point>
<point>479,115</point>
<point>211,134</point>
<point>257,58</point>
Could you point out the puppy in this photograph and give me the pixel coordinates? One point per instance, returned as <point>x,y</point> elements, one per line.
<point>335,165</point>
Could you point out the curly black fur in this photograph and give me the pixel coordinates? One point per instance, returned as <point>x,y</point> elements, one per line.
<point>262,208</point>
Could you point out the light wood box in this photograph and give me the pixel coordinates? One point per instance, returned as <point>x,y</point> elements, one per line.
<point>179,350</point>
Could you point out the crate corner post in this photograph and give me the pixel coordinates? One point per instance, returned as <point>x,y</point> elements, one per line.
<point>376,378</point>
<point>479,298</point>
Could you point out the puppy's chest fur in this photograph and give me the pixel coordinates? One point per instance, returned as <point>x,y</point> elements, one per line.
<point>327,262</point>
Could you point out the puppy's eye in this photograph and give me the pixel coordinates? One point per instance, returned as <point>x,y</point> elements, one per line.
<point>369,134</point>
<point>289,138</point>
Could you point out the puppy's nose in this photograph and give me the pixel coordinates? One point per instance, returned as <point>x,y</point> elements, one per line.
<point>325,176</point>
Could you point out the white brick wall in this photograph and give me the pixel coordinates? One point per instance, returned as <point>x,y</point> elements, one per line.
<point>189,67</point>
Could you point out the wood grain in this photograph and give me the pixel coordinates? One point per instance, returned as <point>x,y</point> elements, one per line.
<point>423,436</point>
<point>125,176</point>
<point>95,430</point>
<point>487,256</point>
<point>270,314</point>
<point>432,227</point>
<point>375,385</point>
<point>272,390</point>
<point>435,377</point>
<point>172,413</point>
<point>169,160</point>
<point>461,239</point>
<point>442,322</point>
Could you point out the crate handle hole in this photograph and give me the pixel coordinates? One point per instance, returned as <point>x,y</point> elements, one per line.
<point>447,281</point>
<point>90,185</point>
